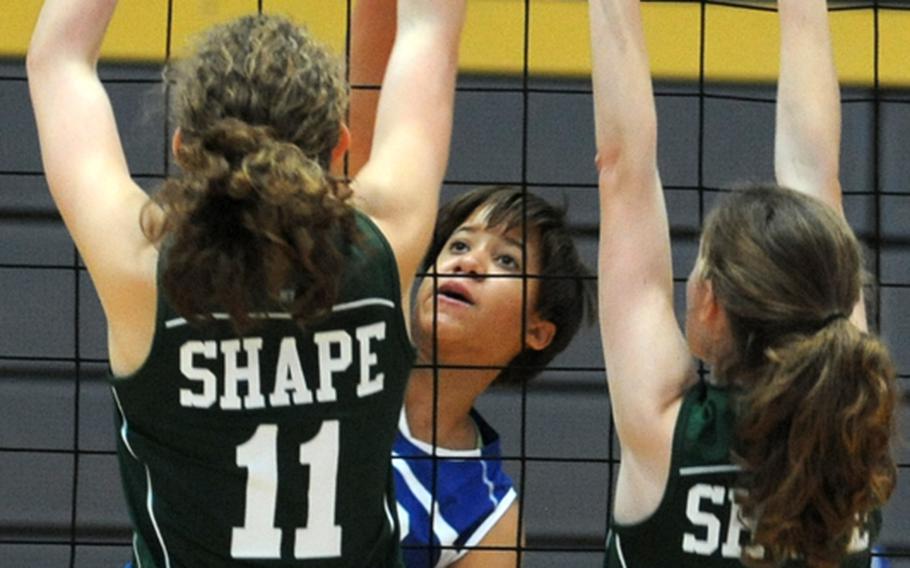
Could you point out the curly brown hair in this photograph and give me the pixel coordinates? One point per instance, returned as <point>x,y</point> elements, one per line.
<point>254,212</point>
<point>816,396</point>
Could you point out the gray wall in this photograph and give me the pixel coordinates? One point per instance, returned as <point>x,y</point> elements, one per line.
<point>59,488</point>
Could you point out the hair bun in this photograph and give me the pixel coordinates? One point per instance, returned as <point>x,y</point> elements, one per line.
<point>231,142</point>
<point>235,139</point>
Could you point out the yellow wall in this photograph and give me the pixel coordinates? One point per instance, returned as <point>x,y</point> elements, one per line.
<point>741,43</point>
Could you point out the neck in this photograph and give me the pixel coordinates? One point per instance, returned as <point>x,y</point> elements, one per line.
<point>456,392</point>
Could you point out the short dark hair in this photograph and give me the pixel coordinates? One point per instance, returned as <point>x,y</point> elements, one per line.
<point>566,293</point>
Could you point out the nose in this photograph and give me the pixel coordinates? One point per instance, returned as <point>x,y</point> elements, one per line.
<point>467,264</point>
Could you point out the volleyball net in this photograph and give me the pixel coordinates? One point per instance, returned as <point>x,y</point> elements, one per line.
<point>524,118</point>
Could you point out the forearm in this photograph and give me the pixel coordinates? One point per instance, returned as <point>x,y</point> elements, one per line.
<point>808,129</point>
<point>625,117</point>
<point>69,31</point>
<point>80,147</point>
<point>418,88</point>
<point>399,185</point>
<point>372,37</point>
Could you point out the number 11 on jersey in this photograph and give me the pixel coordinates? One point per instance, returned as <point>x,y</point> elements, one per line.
<point>258,537</point>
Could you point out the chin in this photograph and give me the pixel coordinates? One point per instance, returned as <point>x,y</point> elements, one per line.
<point>424,340</point>
<point>443,358</point>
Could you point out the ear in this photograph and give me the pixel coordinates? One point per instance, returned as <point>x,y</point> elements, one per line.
<point>176,141</point>
<point>706,306</point>
<point>539,333</point>
<point>341,148</point>
<point>713,314</point>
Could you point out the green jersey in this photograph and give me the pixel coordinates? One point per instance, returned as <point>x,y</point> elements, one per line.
<point>271,449</point>
<point>697,523</point>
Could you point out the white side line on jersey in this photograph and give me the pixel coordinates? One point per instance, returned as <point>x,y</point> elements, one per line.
<point>622,558</point>
<point>149,499</point>
<point>136,551</point>
<point>388,512</point>
<point>705,469</point>
<point>178,322</point>
<point>123,427</point>
<point>488,482</point>
<point>149,504</point>
<point>489,522</point>
<point>441,527</point>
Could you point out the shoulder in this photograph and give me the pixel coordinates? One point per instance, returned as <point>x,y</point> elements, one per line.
<point>371,260</point>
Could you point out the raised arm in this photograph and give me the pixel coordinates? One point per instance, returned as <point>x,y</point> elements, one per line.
<point>372,37</point>
<point>808,127</point>
<point>83,158</point>
<point>648,365</point>
<point>399,186</point>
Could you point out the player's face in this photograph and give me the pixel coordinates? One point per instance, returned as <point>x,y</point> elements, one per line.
<point>477,307</point>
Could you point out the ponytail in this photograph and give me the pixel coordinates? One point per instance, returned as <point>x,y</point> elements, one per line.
<point>813,439</point>
<point>250,219</point>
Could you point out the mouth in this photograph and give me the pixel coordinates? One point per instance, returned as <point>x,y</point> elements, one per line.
<point>455,292</point>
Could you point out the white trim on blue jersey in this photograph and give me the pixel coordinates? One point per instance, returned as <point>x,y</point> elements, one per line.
<point>472,494</point>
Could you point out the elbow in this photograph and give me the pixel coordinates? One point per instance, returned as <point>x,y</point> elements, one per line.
<point>35,59</point>
<point>44,64</point>
<point>607,158</point>
<point>40,58</point>
<point>43,49</point>
<point>39,69</point>
<point>625,137</point>
<point>614,163</point>
<point>443,21</point>
<point>47,54</point>
<point>628,153</point>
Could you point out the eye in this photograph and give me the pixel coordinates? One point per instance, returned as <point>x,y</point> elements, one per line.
<point>457,246</point>
<point>507,261</point>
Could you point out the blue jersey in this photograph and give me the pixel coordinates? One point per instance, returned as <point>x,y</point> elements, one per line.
<point>472,493</point>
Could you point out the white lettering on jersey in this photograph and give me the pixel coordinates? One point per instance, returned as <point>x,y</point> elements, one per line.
<point>702,496</point>
<point>240,363</point>
<point>691,543</point>
<point>710,521</point>
<point>289,377</point>
<point>369,385</point>
<point>735,531</point>
<point>329,365</point>
<point>234,374</point>
<point>860,540</point>
<point>209,394</point>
